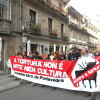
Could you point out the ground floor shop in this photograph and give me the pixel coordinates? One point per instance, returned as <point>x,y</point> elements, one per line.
<point>43,45</point>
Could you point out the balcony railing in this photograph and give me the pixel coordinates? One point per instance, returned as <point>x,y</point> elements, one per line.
<point>50,7</point>
<point>52,33</point>
<point>64,37</point>
<point>55,7</point>
<point>40,29</point>
<point>77,27</point>
<point>92,45</point>
<point>5,26</point>
<point>35,29</point>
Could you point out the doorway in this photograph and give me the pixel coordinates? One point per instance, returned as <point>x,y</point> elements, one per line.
<point>34,47</point>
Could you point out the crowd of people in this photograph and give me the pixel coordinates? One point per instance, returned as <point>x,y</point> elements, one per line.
<point>73,54</point>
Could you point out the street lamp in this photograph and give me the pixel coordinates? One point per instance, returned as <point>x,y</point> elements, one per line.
<point>0,48</point>
<point>24,43</point>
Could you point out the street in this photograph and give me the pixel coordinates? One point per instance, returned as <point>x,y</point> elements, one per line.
<point>27,92</point>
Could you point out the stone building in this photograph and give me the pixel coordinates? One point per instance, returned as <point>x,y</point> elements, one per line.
<point>41,25</point>
<point>81,31</point>
<point>26,25</point>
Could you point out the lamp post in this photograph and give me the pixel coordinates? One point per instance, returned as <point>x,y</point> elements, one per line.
<point>28,46</point>
<point>24,43</point>
<point>0,48</point>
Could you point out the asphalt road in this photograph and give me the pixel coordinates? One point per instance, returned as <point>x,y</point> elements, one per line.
<point>27,92</point>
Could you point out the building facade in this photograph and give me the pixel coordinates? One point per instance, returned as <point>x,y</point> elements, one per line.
<point>81,32</point>
<point>26,25</point>
<point>41,25</point>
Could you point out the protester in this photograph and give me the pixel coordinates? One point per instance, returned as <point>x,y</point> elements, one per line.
<point>98,53</point>
<point>85,53</point>
<point>52,56</point>
<point>74,55</point>
<point>47,56</point>
<point>43,56</point>
<point>17,54</point>
<point>37,56</point>
<point>56,57</point>
<point>62,56</point>
<point>31,55</point>
<point>24,55</point>
<point>94,53</point>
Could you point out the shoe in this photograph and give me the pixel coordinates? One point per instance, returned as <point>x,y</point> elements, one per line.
<point>20,83</point>
<point>93,96</point>
<point>42,85</point>
<point>87,94</point>
<point>53,88</point>
<point>16,78</point>
<point>74,92</point>
<point>33,84</point>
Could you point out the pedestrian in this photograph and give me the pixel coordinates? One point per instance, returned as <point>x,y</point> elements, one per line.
<point>43,56</point>
<point>85,53</point>
<point>31,56</point>
<point>52,56</point>
<point>73,55</point>
<point>24,55</point>
<point>47,56</point>
<point>94,53</point>
<point>37,56</point>
<point>62,56</point>
<point>17,54</point>
<point>56,57</point>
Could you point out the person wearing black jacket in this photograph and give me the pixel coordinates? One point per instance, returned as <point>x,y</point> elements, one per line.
<point>62,56</point>
<point>74,55</point>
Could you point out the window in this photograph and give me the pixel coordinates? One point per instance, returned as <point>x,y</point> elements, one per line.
<point>50,24</point>
<point>5,9</point>
<point>1,11</point>
<point>62,29</point>
<point>32,16</point>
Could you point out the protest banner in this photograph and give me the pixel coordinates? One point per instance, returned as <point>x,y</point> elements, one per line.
<point>82,75</point>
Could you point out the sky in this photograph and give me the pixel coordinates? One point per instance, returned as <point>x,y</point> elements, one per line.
<point>91,8</point>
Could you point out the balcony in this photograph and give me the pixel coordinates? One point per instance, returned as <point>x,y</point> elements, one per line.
<point>77,27</point>
<point>73,40</point>
<point>85,43</point>
<point>80,42</point>
<point>56,8</point>
<point>5,26</point>
<point>50,8</point>
<point>64,37</point>
<point>53,34</point>
<point>91,45</point>
<point>35,29</point>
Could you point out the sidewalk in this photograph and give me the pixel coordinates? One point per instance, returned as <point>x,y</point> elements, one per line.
<point>7,82</point>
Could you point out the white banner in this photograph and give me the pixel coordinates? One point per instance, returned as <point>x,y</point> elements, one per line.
<point>81,75</point>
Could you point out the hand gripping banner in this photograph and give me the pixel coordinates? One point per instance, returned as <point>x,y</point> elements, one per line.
<point>82,75</point>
